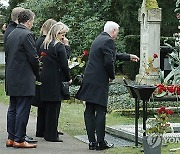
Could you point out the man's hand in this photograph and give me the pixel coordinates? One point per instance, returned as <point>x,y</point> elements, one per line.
<point>134,58</point>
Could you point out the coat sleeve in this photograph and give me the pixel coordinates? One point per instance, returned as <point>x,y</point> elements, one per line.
<point>68,50</point>
<point>109,52</point>
<point>30,49</point>
<point>63,61</point>
<point>123,56</point>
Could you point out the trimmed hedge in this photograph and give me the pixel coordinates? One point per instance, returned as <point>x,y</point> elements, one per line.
<point>132,45</point>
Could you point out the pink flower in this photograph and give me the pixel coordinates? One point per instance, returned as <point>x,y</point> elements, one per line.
<point>43,54</point>
<point>85,53</point>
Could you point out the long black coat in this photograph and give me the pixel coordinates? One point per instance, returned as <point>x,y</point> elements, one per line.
<point>39,42</point>
<point>12,25</point>
<point>54,70</point>
<point>99,69</point>
<point>21,62</point>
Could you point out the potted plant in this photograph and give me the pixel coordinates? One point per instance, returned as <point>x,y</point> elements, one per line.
<point>156,127</point>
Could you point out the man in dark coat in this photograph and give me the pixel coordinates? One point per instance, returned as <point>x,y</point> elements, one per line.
<point>21,72</point>
<point>12,25</point>
<point>100,70</point>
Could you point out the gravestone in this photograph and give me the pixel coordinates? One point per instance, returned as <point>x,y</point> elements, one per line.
<point>150,20</point>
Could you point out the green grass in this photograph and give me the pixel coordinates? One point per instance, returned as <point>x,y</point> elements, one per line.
<point>71,121</point>
<point>3,97</point>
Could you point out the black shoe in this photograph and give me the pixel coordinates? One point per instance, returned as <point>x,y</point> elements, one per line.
<point>60,133</point>
<point>103,145</point>
<point>38,135</point>
<point>29,139</point>
<point>56,140</point>
<point>92,145</point>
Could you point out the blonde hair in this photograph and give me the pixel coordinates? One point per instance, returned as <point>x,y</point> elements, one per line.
<point>46,26</point>
<point>15,13</point>
<point>57,28</point>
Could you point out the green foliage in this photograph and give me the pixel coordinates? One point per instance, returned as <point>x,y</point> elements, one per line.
<point>151,4</point>
<point>132,45</point>
<point>87,17</point>
<point>44,10</point>
<point>73,90</point>
<point>3,97</point>
<point>160,123</point>
<point>169,21</point>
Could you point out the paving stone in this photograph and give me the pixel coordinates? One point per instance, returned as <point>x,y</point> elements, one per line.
<point>118,142</point>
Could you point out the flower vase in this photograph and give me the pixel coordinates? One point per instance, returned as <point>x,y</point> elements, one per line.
<point>152,144</point>
<point>144,92</point>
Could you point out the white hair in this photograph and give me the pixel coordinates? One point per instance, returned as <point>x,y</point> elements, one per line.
<point>110,25</point>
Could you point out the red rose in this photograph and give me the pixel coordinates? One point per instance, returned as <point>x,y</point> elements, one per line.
<point>43,54</point>
<point>171,112</point>
<point>155,56</point>
<point>166,111</point>
<point>161,110</point>
<point>171,89</point>
<point>85,53</point>
<point>161,88</point>
<point>178,90</point>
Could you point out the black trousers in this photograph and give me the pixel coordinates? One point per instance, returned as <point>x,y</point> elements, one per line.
<point>41,121</point>
<point>52,110</point>
<point>95,120</point>
<point>17,117</point>
<point>40,126</point>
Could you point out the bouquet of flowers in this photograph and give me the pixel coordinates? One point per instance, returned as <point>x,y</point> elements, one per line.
<point>160,123</point>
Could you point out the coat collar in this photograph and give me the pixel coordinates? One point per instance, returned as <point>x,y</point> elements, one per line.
<point>105,33</point>
<point>13,23</point>
<point>22,26</point>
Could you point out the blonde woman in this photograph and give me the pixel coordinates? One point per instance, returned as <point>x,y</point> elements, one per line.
<point>44,31</point>
<point>40,126</point>
<point>55,70</point>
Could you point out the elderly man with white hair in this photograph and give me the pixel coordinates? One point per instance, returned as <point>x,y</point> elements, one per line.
<point>100,70</point>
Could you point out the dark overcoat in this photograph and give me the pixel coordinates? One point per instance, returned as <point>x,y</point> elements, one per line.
<point>54,70</point>
<point>99,69</point>
<point>39,42</point>
<point>21,62</point>
<point>12,25</point>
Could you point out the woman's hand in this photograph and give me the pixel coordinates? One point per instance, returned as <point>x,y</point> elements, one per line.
<point>65,41</point>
